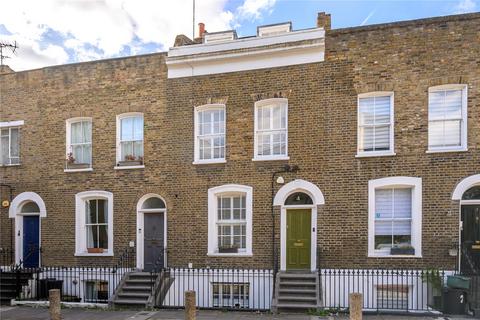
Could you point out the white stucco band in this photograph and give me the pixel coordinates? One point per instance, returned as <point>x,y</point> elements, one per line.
<point>464,185</point>
<point>25,197</point>
<point>299,185</point>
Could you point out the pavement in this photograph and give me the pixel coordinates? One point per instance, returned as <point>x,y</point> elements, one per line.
<point>41,313</point>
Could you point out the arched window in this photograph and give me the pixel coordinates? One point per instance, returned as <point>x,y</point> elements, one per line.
<point>30,207</point>
<point>298,198</point>
<point>153,203</point>
<point>472,194</point>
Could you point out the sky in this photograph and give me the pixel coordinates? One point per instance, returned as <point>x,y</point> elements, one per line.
<point>52,32</point>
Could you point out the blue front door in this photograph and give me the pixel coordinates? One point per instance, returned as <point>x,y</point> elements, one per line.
<point>31,241</point>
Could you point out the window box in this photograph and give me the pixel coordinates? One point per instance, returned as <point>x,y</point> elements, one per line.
<point>95,250</point>
<point>402,251</point>
<point>228,250</point>
<point>78,165</point>
<point>130,163</point>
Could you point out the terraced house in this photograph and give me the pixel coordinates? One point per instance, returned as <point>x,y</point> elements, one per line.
<point>255,170</point>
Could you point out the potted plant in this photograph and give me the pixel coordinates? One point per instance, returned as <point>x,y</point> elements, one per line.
<point>434,282</point>
<point>95,250</point>
<point>131,160</point>
<point>228,249</point>
<point>72,164</point>
<point>402,250</point>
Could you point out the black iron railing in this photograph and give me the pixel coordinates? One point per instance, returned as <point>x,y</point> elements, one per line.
<point>229,289</point>
<point>398,290</point>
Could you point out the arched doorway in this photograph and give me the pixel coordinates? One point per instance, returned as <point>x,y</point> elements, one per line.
<point>299,200</point>
<point>468,192</point>
<point>27,209</point>
<point>151,232</point>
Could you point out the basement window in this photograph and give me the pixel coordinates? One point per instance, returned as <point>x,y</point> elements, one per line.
<point>96,291</point>
<point>392,296</point>
<point>230,295</point>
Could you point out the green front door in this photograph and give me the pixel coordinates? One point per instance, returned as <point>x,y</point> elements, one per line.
<point>298,238</point>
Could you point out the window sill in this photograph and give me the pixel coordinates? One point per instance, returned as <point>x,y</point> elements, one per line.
<point>78,170</point>
<point>11,165</point>
<point>375,154</point>
<point>394,256</point>
<point>446,150</point>
<point>86,254</point>
<point>128,167</point>
<point>239,254</point>
<point>209,161</point>
<point>271,158</point>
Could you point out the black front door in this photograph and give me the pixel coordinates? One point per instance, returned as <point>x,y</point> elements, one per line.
<point>470,238</point>
<point>153,244</point>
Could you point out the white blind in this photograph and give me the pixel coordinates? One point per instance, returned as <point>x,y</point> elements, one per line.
<point>444,118</point>
<point>374,123</point>
<point>393,211</point>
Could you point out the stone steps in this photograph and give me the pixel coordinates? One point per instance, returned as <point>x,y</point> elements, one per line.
<point>296,291</point>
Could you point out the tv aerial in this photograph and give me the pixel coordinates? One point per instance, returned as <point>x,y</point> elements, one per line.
<point>7,47</point>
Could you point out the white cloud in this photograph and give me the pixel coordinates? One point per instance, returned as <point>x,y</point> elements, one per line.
<point>253,9</point>
<point>465,6</point>
<point>95,29</point>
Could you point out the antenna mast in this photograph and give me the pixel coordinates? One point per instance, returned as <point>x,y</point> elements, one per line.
<point>193,27</point>
<point>4,46</point>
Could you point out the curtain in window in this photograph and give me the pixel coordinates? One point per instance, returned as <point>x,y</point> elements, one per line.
<point>81,141</point>
<point>393,217</point>
<point>374,123</point>
<point>131,138</point>
<point>271,130</point>
<point>96,222</point>
<point>211,134</point>
<point>445,118</point>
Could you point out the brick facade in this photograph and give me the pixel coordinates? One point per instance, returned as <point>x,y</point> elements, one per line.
<point>405,57</point>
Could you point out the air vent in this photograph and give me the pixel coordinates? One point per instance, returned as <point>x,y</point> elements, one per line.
<point>220,36</point>
<point>274,29</point>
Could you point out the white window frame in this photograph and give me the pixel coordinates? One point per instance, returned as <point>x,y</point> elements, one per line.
<point>416,229</point>
<point>230,284</point>
<point>464,120</point>
<point>391,151</point>
<point>118,145</point>
<point>262,103</point>
<point>212,218</point>
<point>80,228</point>
<point>9,125</point>
<point>68,131</point>
<point>199,109</point>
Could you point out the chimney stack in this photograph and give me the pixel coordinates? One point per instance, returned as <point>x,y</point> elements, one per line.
<point>324,21</point>
<point>201,29</point>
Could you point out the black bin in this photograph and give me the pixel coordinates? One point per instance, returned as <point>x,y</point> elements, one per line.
<point>48,284</point>
<point>454,301</point>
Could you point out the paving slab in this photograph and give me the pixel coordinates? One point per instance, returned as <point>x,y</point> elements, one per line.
<point>41,313</point>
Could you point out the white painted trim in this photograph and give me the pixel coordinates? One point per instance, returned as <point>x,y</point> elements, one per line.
<point>196,153</point>
<point>416,229</point>
<point>212,217</point>
<point>68,131</point>
<point>6,124</point>
<point>299,185</point>
<point>391,151</point>
<point>80,230</point>
<point>128,167</point>
<point>119,117</point>
<point>141,227</point>
<point>269,102</point>
<point>283,236</point>
<point>274,30</point>
<point>14,212</point>
<point>78,170</point>
<point>244,43</point>
<point>241,61</point>
<point>464,185</point>
<point>464,131</point>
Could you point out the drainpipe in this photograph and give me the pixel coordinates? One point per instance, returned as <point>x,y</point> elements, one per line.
<point>286,168</point>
